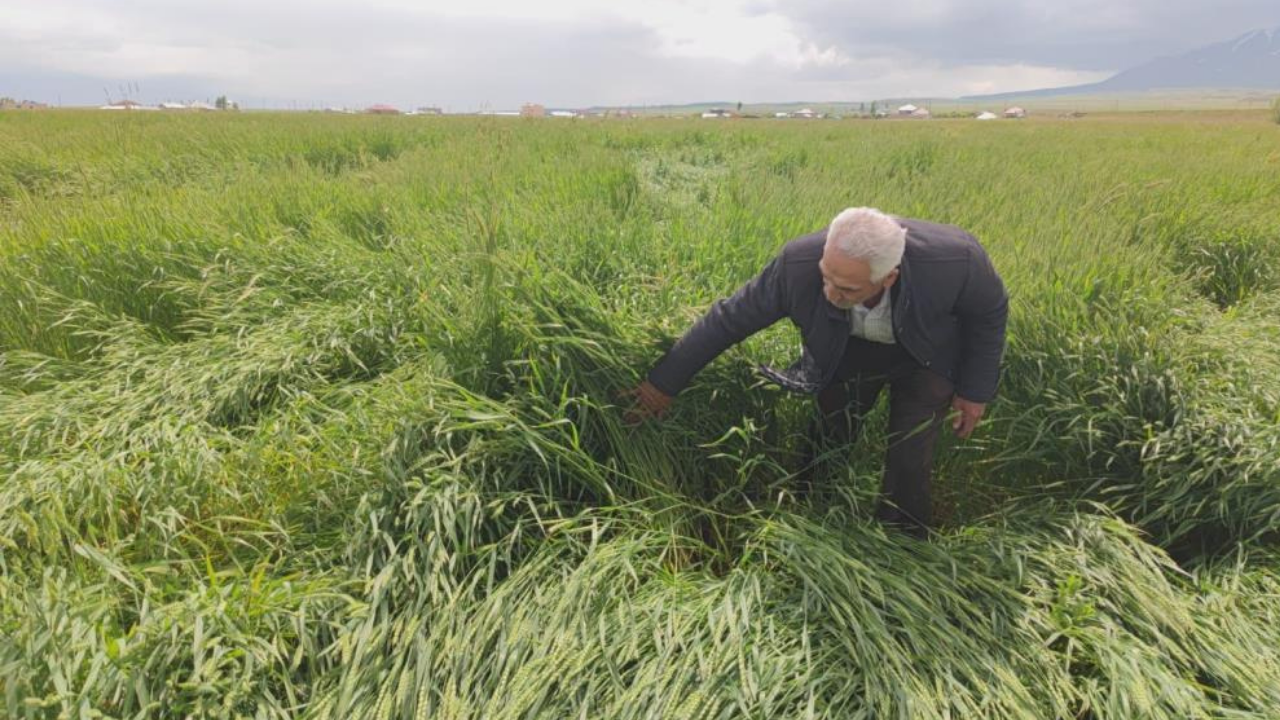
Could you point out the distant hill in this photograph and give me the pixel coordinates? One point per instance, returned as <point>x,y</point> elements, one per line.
<point>1249,61</point>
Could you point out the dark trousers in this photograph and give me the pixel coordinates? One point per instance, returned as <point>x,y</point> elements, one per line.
<point>918,402</point>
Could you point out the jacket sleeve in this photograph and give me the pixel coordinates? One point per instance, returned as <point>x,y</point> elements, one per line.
<point>983,311</point>
<point>755,306</point>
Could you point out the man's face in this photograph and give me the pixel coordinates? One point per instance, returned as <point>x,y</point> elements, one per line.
<point>846,281</point>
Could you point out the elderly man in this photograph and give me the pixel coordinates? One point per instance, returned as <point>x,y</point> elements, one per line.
<point>879,300</point>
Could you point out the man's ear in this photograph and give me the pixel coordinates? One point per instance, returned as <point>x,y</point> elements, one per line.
<point>890,278</point>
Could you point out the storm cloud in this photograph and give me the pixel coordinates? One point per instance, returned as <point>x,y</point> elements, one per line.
<point>497,54</point>
<point>1106,35</point>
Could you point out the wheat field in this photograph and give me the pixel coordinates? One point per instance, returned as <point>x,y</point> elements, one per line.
<point>317,416</point>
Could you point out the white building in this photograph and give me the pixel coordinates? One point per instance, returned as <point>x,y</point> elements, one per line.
<point>907,109</point>
<point>987,116</point>
<point>1015,112</point>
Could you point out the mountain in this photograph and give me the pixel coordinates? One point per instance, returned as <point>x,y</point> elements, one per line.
<point>1249,61</point>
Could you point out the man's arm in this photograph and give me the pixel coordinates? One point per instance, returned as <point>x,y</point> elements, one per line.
<point>983,311</point>
<point>755,306</point>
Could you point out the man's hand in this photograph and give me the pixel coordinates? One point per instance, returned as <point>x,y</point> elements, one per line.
<point>968,413</point>
<point>647,402</point>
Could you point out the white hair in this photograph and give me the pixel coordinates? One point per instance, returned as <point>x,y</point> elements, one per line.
<point>867,234</point>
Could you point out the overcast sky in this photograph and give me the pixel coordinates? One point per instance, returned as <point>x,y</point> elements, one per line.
<point>497,54</point>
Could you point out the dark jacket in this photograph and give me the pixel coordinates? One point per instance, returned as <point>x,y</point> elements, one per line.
<point>949,313</point>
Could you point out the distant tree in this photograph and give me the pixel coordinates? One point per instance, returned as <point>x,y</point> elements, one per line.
<point>862,108</point>
<point>221,102</point>
<point>1275,110</point>
<point>873,108</point>
<point>739,107</point>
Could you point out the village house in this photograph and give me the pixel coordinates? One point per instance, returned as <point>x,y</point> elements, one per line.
<point>8,103</point>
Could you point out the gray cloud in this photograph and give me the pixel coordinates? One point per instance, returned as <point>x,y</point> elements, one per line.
<point>1077,34</point>
<point>326,52</point>
<point>343,55</point>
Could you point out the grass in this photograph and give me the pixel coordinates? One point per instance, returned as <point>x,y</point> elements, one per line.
<point>317,416</point>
